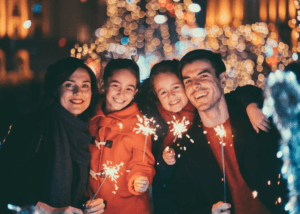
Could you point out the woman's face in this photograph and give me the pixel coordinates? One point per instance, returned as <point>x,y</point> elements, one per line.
<point>76,93</point>
<point>170,92</point>
<point>120,90</point>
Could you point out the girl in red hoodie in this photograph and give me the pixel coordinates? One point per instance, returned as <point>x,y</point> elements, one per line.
<point>119,150</point>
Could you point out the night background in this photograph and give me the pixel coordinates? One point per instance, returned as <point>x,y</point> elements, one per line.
<point>255,37</point>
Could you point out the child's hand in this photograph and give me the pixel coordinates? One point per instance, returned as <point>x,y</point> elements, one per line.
<point>95,206</point>
<point>169,156</point>
<point>141,184</point>
<point>257,118</point>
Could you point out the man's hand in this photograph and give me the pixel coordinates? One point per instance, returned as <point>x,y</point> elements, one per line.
<point>95,206</point>
<point>257,118</point>
<point>221,207</point>
<point>141,184</point>
<point>45,208</point>
<point>169,156</point>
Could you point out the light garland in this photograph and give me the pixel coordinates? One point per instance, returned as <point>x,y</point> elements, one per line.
<point>282,102</point>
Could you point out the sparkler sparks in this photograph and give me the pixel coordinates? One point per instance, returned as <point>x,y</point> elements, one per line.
<point>220,131</point>
<point>111,171</point>
<point>145,128</point>
<point>179,127</point>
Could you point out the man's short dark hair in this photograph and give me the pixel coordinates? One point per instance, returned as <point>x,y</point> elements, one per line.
<point>214,59</point>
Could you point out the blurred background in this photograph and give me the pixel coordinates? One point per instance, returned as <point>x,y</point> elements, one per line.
<point>255,37</point>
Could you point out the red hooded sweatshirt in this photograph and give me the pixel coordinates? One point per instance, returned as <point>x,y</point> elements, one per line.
<point>123,161</point>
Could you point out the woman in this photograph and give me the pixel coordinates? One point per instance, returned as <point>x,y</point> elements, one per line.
<point>45,159</point>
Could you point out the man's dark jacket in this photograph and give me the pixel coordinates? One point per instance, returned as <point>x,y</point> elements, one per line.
<point>198,177</point>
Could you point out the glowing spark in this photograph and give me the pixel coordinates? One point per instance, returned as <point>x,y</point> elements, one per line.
<point>120,125</point>
<point>144,127</point>
<point>220,131</point>
<point>179,127</point>
<point>112,171</point>
<point>254,193</point>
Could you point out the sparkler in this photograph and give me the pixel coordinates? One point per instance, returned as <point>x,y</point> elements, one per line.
<point>145,128</point>
<point>178,127</point>
<point>222,133</point>
<point>109,170</point>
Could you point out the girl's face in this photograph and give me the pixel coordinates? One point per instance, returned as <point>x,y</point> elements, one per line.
<point>170,92</point>
<point>76,93</point>
<point>120,90</point>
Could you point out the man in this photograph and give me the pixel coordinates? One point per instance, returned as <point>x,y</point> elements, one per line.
<point>253,180</point>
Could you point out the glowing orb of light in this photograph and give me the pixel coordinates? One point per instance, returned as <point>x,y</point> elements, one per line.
<point>194,8</point>
<point>124,40</point>
<point>27,24</point>
<point>160,19</point>
<point>295,56</point>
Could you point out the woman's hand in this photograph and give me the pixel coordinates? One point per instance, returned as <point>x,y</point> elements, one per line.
<point>141,184</point>
<point>95,206</point>
<point>45,208</point>
<point>169,156</point>
<point>257,118</point>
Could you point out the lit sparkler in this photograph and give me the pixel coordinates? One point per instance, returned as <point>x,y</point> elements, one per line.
<point>178,127</point>
<point>222,133</point>
<point>109,170</point>
<point>145,128</point>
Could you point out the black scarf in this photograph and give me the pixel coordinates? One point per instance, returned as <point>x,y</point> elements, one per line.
<point>70,161</point>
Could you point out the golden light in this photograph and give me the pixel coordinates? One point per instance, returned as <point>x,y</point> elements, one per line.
<point>263,12</point>
<point>272,10</point>
<point>17,14</point>
<point>224,12</point>
<point>292,9</point>
<point>2,18</point>
<point>282,10</point>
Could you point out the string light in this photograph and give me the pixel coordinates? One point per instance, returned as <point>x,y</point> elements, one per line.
<point>282,98</point>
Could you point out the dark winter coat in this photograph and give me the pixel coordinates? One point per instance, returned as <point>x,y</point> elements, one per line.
<point>45,158</point>
<point>198,177</point>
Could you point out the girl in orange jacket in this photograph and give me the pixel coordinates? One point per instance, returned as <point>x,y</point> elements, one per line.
<point>122,162</point>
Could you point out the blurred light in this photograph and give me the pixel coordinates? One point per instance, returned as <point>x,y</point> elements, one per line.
<point>185,30</point>
<point>124,40</point>
<point>62,42</point>
<point>160,19</point>
<point>97,32</point>
<point>198,32</point>
<point>269,51</point>
<point>27,24</point>
<point>194,8</point>
<point>37,8</point>
<point>295,56</point>
<point>129,1</point>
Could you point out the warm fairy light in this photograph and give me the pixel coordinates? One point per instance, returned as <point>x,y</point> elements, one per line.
<point>254,194</point>
<point>194,7</point>
<point>179,127</point>
<point>160,19</point>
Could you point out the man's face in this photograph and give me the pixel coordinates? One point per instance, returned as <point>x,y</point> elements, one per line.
<point>202,87</point>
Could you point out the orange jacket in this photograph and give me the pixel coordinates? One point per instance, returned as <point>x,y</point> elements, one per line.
<point>124,158</point>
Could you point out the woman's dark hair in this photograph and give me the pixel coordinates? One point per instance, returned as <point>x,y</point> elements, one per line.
<point>117,64</point>
<point>60,72</point>
<point>214,59</point>
<point>165,66</point>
